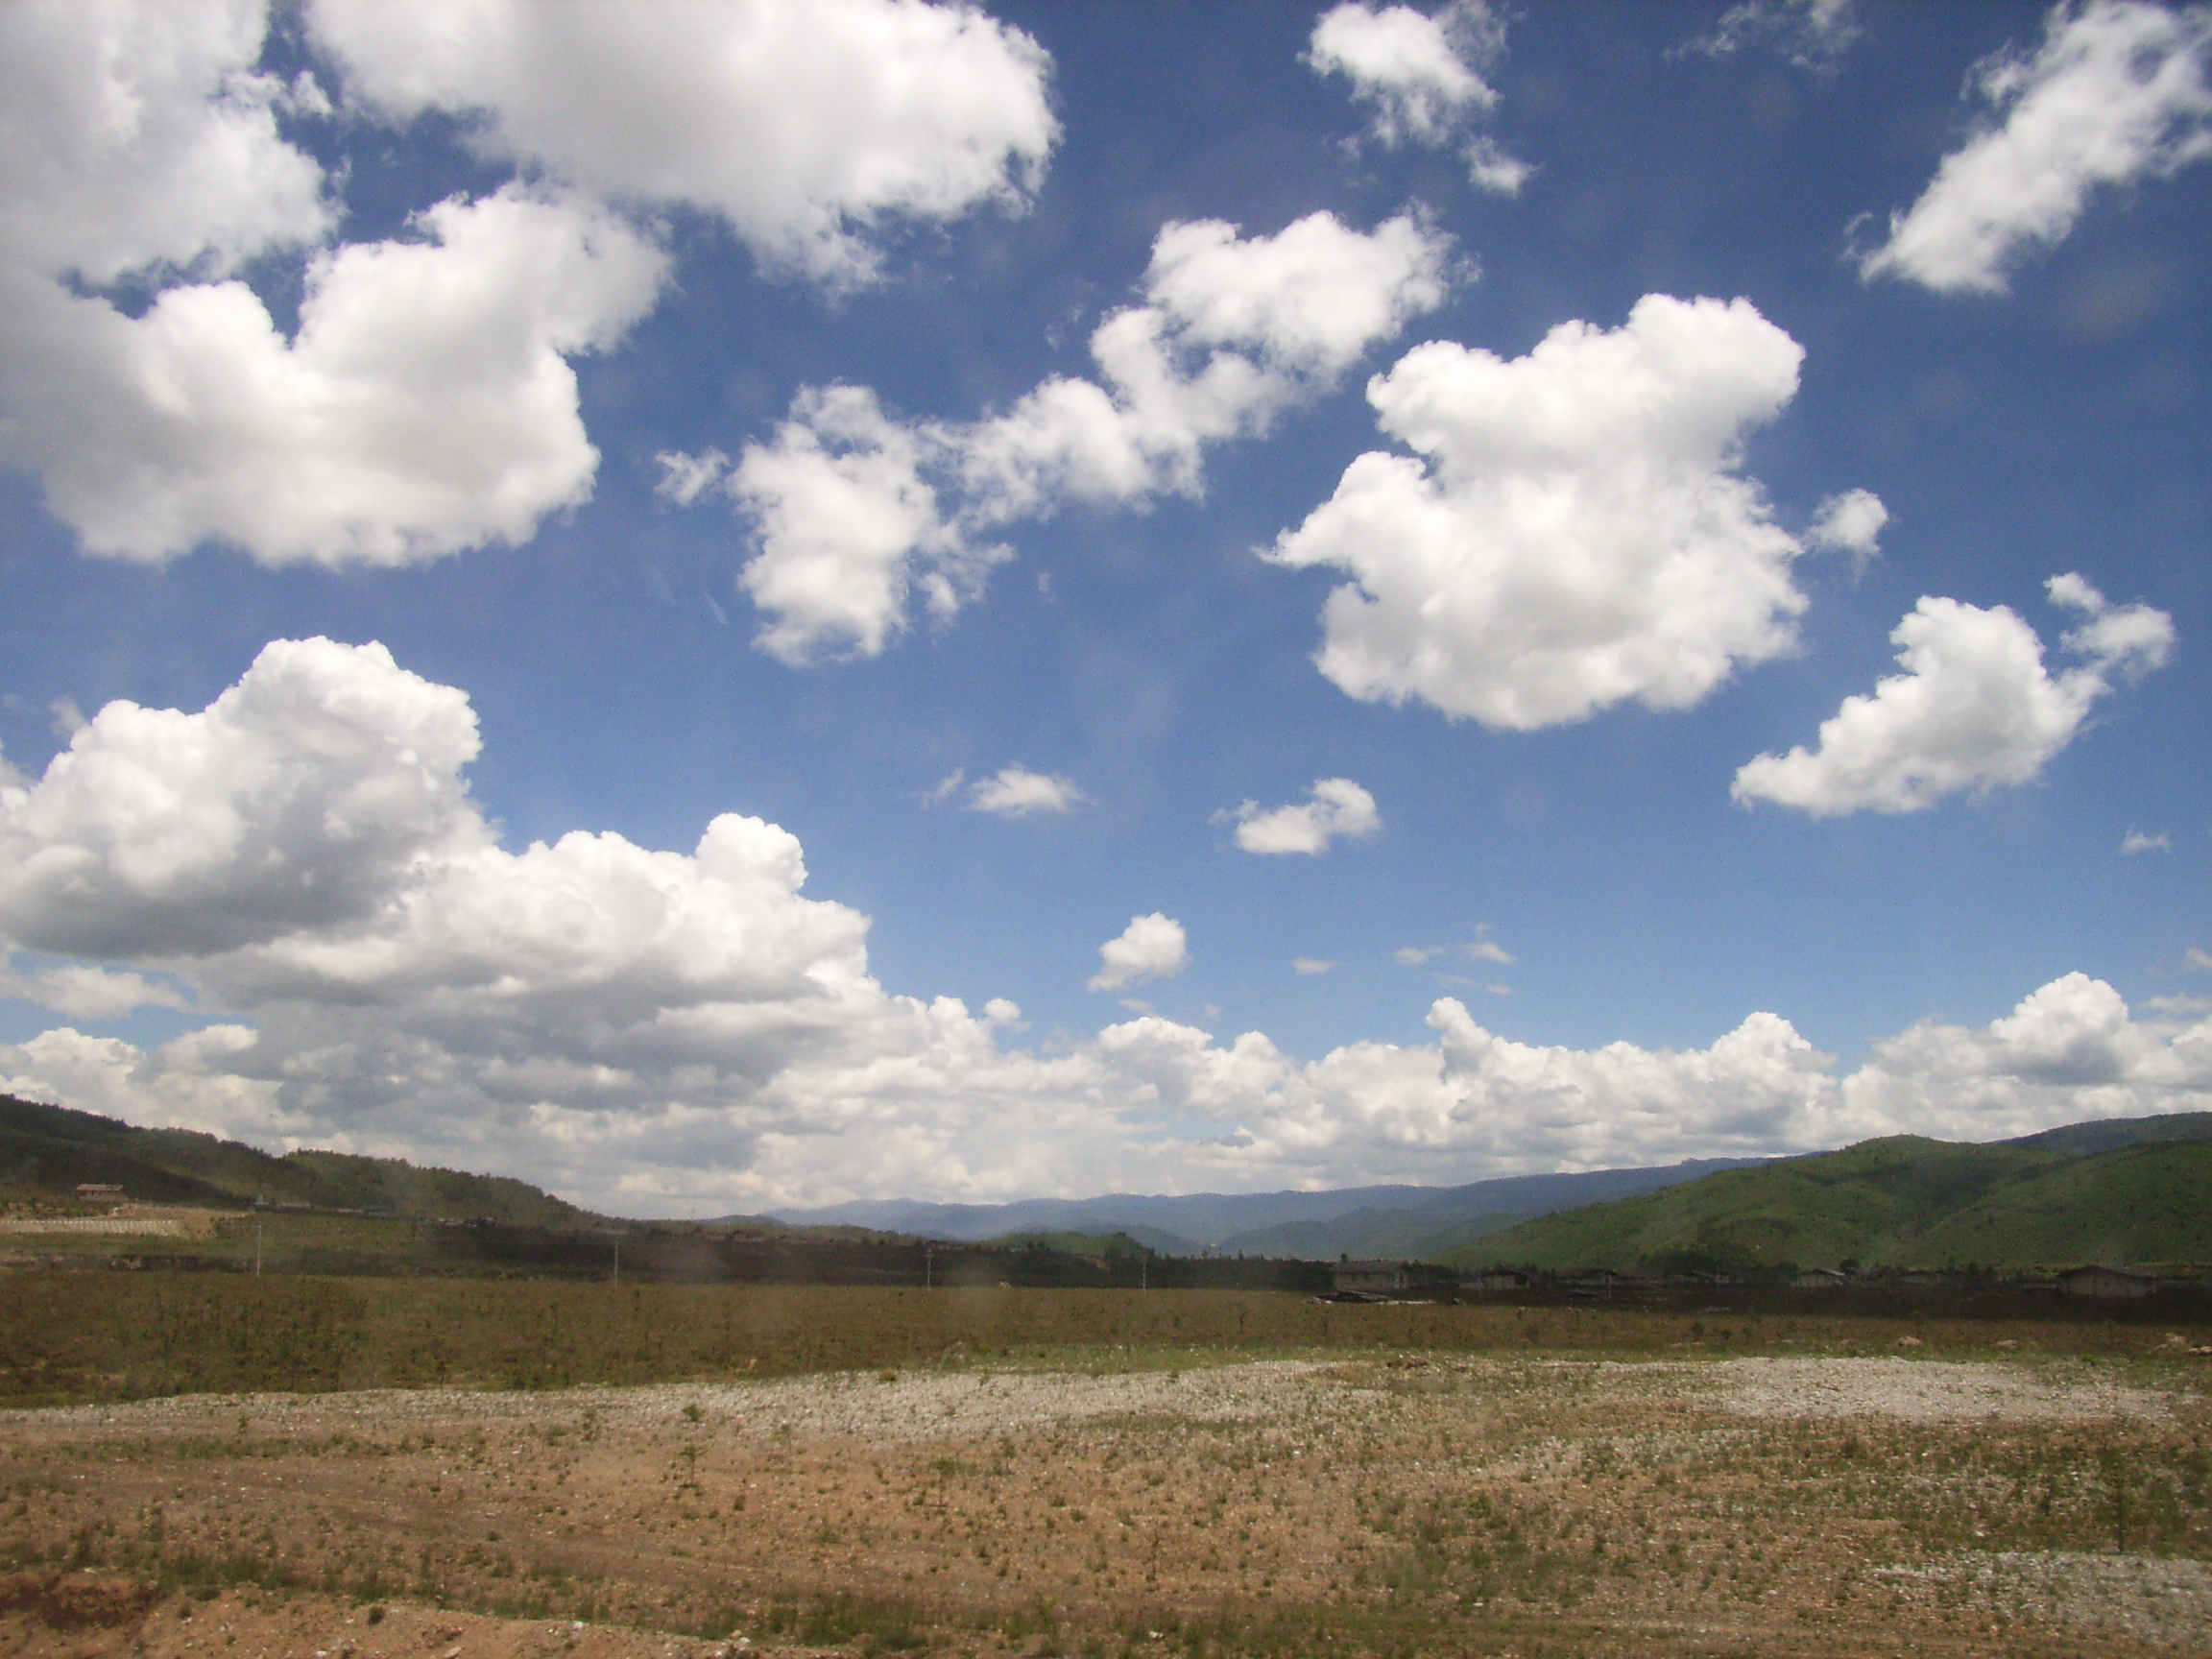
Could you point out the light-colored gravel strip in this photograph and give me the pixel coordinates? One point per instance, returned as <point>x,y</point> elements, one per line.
<point>1924,1390</point>
<point>135,1227</point>
<point>948,1405</point>
<point>922,1405</point>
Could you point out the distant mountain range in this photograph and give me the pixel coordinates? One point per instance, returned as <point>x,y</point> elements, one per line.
<point>2119,1192</point>
<point>1412,1222</point>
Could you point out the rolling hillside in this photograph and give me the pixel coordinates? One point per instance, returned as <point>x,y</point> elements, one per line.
<point>46,1150</point>
<point>1904,1201</point>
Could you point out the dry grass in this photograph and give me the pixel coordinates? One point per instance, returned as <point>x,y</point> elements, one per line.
<point>1648,1493</point>
<point>108,1335</point>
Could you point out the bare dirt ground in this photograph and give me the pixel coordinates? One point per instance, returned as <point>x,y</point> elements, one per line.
<point>1413,1504</point>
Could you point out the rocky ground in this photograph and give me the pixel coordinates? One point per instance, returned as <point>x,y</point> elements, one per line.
<point>1139,1505</point>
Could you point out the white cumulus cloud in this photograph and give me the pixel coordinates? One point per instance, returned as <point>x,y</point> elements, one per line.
<point>848,527</point>
<point>2136,841</point>
<point>1232,330</point>
<point>659,1031</point>
<point>2069,1051</point>
<point>294,801</point>
<point>1420,76</point>
<point>1974,709</point>
<point>1851,522</point>
<point>426,402</point>
<point>1575,533</point>
<point>807,125</point>
<point>1150,947</point>
<point>141,135</point>
<point>1015,792</point>
<point>853,511</point>
<point>2118,91</point>
<point>1336,808</point>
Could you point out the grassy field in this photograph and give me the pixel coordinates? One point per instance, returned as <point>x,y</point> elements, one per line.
<point>69,1337</point>
<point>1101,1475</point>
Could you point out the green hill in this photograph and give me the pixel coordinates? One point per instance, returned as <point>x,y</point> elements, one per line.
<point>45,1151</point>
<point>2106,1133</point>
<point>1903,1202</point>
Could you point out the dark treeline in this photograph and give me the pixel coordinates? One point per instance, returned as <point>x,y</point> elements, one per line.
<point>704,1256</point>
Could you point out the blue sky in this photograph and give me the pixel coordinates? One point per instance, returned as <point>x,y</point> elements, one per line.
<point>1318,594</point>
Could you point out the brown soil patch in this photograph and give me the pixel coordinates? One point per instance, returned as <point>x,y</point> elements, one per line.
<point>1426,1503</point>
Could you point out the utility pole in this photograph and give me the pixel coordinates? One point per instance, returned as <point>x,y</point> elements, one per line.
<point>615,1236</point>
<point>256,1246</point>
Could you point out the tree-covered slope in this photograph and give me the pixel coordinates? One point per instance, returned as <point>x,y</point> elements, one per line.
<point>45,1151</point>
<point>1902,1201</point>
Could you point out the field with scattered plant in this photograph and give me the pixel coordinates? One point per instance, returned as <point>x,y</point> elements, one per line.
<point>388,1467</point>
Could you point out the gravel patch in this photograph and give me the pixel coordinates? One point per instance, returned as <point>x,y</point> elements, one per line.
<point>1923,1390</point>
<point>134,1227</point>
<point>913,1407</point>
<point>2154,1599</point>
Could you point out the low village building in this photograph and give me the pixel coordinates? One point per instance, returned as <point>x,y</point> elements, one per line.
<point>1370,1277</point>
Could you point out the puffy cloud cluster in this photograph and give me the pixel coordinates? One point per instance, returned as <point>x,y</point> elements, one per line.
<point>1233,330</point>
<point>853,511</point>
<point>1472,1099</point>
<point>848,527</point>
<point>1576,531</point>
<point>292,803</point>
<point>2070,1051</point>
<point>1420,76</point>
<point>2118,90</point>
<point>1336,808</point>
<point>141,135</point>
<point>1150,947</point>
<point>659,1031</point>
<point>1974,709</point>
<point>426,402</point>
<point>305,848</point>
<point>804,126</point>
